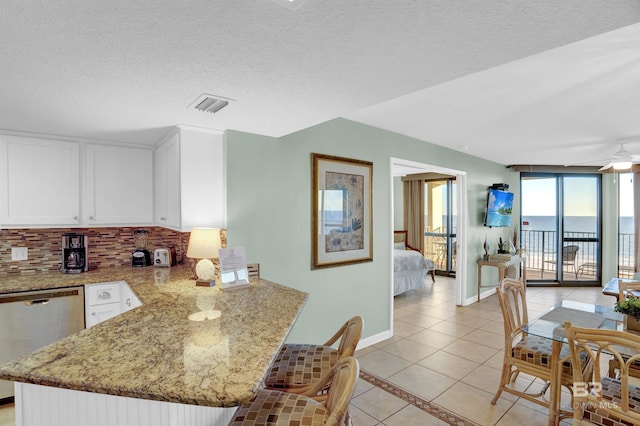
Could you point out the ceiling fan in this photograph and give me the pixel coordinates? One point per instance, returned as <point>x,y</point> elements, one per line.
<point>621,160</point>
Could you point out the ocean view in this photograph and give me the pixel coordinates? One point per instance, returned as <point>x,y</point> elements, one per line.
<point>572,224</point>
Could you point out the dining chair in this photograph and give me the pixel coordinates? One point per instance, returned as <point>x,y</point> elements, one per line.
<point>526,353</point>
<point>273,407</point>
<point>298,366</point>
<point>597,398</point>
<point>625,290</point>
<point>569,254</point>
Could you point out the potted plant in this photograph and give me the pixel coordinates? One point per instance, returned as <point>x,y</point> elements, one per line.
<point>630,307</point>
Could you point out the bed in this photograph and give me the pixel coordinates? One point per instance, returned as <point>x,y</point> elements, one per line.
<point>409,265</point>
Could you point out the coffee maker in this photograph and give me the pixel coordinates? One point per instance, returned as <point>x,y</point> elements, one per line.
<point>75,257</point>
<point>141,256</point>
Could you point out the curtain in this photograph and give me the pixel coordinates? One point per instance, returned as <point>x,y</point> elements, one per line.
<point>413,195</point>
<point>636,219</point>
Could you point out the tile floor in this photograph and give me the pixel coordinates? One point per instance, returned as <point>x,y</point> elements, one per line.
<point>446,354</point>
<point>451,356</point>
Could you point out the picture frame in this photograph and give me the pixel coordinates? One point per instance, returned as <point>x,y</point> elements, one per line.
<point>341,211</point>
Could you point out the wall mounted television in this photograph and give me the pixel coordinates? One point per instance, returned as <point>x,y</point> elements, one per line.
<point>499,206</point>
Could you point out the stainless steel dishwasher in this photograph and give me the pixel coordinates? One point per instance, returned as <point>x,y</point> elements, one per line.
<point>32,319</point>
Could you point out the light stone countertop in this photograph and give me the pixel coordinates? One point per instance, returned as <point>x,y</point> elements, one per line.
<point>155,351</point>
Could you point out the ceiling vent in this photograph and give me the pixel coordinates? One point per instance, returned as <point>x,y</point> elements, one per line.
<point>290,4</point>
<point>209,103</point>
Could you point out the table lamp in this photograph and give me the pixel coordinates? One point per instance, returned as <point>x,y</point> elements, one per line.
<point>204,244</point>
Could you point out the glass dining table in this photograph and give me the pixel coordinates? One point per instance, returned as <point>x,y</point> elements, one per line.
<point>550,325</point>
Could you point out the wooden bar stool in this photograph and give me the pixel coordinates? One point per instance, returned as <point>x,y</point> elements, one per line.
<point>272,407</point>
<point>297,366</point>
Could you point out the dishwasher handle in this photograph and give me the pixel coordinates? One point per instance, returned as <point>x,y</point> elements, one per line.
<point>39,297</point>
<point>36,302</point>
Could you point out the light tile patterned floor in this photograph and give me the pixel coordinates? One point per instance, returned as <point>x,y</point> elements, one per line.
<point>447,355</point>
<point>452,357</point>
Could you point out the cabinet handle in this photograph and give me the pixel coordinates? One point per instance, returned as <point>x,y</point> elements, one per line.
<point>75,218</point>
<point>91,218</point>
<point>163,218</point>
<point>103,295</point>
<point>93,313</point>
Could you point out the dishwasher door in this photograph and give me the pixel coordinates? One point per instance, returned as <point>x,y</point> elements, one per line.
<point>33,319</point>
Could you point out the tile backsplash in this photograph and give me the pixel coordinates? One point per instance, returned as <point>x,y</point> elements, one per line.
<point>108,247</point>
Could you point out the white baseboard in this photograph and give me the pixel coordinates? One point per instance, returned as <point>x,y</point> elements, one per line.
<point>376,338</point>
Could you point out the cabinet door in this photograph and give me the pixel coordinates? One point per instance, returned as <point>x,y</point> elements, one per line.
<point>39,181</point>
<point>119,187</point>
<point>203,179</point>
<point>167,183</point>
<point>97,314</point>
<point>128,299</point>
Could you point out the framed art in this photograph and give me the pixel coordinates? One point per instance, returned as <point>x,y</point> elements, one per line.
<point>341,212</point>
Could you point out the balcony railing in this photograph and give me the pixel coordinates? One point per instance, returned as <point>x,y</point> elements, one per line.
<point>541,255</point>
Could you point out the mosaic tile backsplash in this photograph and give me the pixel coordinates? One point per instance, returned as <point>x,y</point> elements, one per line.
<point>108,247</point>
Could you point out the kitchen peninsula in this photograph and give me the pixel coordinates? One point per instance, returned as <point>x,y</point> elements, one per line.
<point>187,356</point>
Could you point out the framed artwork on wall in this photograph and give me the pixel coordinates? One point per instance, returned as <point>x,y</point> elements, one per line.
<point>342,211</point>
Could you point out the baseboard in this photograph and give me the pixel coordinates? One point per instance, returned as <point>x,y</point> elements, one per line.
<point>376,338</point>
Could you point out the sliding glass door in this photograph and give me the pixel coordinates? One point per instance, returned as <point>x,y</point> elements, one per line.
<point>440,224</point>
<point>626,226</point>
<point>561,227</point>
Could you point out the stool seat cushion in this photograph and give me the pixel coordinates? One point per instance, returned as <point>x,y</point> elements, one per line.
<point>297,365</point>
<point>272,407</point>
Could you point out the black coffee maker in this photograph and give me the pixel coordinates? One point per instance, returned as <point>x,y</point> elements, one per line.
<point>74,253</point>
<point>141,256</point>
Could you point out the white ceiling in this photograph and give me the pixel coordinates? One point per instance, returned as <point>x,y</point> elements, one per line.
<point>518,82</point>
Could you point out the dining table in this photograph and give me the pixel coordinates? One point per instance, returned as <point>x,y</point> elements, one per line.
<point>550,325</point>
<point>612,288</point>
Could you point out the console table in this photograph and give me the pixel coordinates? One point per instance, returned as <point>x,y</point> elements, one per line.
<point>502,264</point>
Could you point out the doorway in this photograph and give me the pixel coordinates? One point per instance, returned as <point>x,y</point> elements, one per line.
<point>400,167</point>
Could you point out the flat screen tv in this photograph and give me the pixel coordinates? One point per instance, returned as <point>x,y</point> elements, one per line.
<point>499,206</point>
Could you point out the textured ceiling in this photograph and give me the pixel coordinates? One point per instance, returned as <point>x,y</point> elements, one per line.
<point>456,73</point>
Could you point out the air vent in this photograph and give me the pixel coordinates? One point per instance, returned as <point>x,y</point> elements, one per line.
<point>209,103</point>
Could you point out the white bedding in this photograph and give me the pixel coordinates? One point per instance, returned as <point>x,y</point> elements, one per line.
<point>409,270</point>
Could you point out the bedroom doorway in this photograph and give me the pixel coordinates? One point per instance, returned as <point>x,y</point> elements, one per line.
<point>400,167</point>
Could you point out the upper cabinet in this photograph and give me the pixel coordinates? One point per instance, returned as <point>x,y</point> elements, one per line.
<point>40,184</point>
<point>39,181</point>
<point>190,179</point>
<point>167,182</point>
<point>118,188</point>
<point>54,183</point>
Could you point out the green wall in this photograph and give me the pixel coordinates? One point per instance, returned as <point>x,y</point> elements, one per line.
<point>269,203</point>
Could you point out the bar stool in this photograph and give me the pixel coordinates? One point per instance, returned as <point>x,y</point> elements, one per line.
<point>297,366</point>
<point>272,407</point>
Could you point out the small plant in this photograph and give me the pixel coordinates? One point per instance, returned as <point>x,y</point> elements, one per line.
<point>630,306</point>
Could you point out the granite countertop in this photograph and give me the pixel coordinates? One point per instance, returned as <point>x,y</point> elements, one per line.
<point>165,350</point>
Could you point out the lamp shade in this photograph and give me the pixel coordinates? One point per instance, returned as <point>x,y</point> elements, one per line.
<point>204,243</point>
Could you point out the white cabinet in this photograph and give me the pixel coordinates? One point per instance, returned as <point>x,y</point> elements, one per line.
<point>167,182</point>
<point>128,299</point>
<point>107,300</point>
<point>119,189</point>
<point>39,181</point>
<point>190,179</point>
